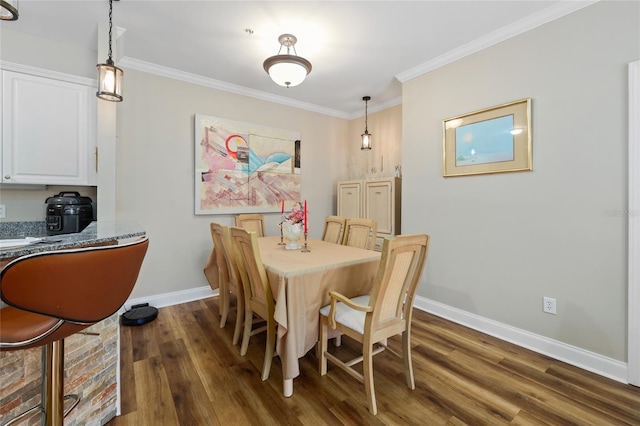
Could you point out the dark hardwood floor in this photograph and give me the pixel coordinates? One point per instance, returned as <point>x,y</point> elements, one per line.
<point>181,369</point>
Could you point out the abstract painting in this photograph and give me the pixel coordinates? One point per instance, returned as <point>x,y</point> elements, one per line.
<point>244,168</point>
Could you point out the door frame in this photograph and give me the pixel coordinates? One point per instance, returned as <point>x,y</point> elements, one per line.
<point>633,366</point>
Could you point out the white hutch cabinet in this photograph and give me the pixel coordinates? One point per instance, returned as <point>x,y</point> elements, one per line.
<point>48,130</point>
<point>378,199</point>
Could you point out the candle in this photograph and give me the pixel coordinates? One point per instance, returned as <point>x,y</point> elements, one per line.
<point>305,217</point>
<point>282,207</point>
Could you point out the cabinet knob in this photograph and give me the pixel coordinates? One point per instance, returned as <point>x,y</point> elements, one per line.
<point>7,177</point>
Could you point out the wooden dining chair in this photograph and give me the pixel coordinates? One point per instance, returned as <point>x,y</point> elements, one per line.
<point>385,312</point>
<point>333,229</point>
<point>229,278</point>
<point>253,222</point>
<point>360,232</point>
<point>258,299</point>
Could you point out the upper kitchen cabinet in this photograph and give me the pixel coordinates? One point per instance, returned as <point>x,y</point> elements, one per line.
<point>48,130</point>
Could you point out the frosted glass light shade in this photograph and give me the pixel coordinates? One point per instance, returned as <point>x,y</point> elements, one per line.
<point>287,70</point>
<point>366,140</point>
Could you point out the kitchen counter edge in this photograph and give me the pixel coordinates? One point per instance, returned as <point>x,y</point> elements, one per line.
<point>95,233</point>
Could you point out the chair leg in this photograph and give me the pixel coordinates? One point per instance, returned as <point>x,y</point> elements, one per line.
<point>322,345</point>
<point>248,322</point>
<point>224,305</point>
<point>269,350</point>
<point>239,319</point>
<point>367,369</point>
<point>54,404</point>
<point>406,357</point>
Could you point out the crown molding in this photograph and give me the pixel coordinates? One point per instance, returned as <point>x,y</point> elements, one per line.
<point>148,67</point>
<point>41,72</point>
<point>523,25</point>
<point>378,107</point>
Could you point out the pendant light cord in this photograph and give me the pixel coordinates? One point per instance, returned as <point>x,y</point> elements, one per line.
<point>110,26</point>
<point>366,116</point>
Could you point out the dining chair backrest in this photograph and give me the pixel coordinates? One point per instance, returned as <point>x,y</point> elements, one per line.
<point>226,261</point>
<point>333,229</point>
<point>393,293</point>
<point>211,270</point>
<point>253,275</point>
<point>253,222</point>
<point>360,232</point>
<point>219,267</point>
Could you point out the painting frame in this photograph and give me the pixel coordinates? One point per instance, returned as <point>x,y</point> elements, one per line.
<point>491,140</point>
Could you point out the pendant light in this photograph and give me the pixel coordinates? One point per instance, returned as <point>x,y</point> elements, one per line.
<point>9,10</point>
<point>109,76</point>
<point>366,136</point>
<point>287,70</point>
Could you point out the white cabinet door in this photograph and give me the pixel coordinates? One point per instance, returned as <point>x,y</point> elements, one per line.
<point>378,199</point>
<point>349,199</point>
<point>378,204</point>
<point>48,136</point>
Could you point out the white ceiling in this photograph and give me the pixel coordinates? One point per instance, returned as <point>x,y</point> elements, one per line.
<point>357,48</point>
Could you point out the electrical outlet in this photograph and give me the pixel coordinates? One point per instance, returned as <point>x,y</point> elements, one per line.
<point>3,211</point>
<point>549,305</point>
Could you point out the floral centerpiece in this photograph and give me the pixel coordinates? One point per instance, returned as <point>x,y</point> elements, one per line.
<point>291,225</point>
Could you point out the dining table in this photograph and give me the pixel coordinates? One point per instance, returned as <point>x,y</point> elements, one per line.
<point>300,282</point>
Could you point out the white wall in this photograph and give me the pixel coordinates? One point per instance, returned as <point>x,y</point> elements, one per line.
<point>155,159</point>
<point>29,204</point>
<point>25,203</point>
<point>386,152</point>
<point>48,54</point>
<point>501,242</point>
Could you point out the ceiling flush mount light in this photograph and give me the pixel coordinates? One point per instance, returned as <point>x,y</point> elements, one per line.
<point>287,70</point>
<point>109,76</point>
<point>366,136</point>
<point>9,10</point>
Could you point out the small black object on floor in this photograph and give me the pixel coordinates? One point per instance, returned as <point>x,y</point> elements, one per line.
<point>139,314</point>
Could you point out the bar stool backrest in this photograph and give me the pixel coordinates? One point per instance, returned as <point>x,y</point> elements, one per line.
<point>81,286</point>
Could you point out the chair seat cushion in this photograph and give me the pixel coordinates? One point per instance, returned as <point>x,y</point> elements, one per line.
<point>347,316</point>
<point>18,326</point>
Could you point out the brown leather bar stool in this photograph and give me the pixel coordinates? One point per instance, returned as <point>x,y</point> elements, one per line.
<point>52,295</point>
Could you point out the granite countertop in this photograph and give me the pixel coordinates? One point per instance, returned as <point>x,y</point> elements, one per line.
<point>95,232</point>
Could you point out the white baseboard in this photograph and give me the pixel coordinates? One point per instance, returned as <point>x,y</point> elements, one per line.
<point>581,358</point>
<point>174,298</point>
